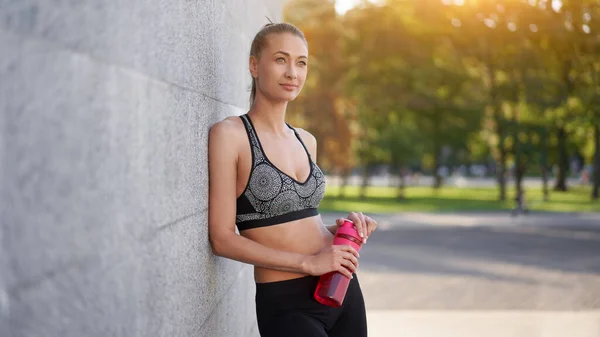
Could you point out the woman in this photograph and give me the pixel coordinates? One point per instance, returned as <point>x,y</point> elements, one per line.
<point>264,180</point>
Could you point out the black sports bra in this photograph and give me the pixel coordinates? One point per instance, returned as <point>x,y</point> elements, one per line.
<point>272,197</point>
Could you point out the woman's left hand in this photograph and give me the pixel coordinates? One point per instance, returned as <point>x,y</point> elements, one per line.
<point>364,224</point>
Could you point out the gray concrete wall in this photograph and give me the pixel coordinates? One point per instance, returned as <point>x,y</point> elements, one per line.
<point>105,108</point>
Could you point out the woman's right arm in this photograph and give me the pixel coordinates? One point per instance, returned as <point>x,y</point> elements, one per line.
<point>222,162</point>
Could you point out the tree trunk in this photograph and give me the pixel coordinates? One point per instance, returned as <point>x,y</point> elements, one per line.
<point>501,174</point>
<point>519,167</point>
<point>366,175</point>
<point>394,174</point>
<point>495,104</point>
<point>401,184</point>
<point>345,178</point>
<point>437,148</point>
<point>563,161</point>
<point>500,132</point>
<point>545,165</point>
<point>437,182</point>
<point>596,167</point>
<point>520,172</point>
<point>545,183</point>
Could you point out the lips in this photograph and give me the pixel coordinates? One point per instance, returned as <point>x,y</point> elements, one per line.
<point>289,86</point>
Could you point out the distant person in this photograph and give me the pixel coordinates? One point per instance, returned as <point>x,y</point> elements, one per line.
<point>416,177</point>
<point>585,177</point>
<point>263,178</point>
<point>520,206</point>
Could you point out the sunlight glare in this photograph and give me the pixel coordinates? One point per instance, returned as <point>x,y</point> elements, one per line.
<point>342,6</point>
<point>557,5</point>
<point>586,29</point>
<point>569,25</point>
<point>533,28</point>
<point>453,2</point>
<point>490,23</point>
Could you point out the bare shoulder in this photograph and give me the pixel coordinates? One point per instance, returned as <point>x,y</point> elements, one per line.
<point>225,138</point>
<point>231,123</point>
<point>231,128</point>
<point>309,140</point>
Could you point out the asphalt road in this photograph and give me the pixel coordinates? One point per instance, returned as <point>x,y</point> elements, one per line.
<point>477,264</point>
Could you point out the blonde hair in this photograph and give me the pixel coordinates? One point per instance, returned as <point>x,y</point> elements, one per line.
<point>260,41</point>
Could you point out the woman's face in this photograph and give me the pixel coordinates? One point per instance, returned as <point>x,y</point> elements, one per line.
<point>282,68</point>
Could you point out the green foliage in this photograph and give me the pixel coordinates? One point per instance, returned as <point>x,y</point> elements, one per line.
<point>432,83</point>
<point>451,199</point>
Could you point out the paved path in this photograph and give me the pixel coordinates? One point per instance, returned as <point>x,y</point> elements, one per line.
<point>483,324</point>
<point>482,274</point>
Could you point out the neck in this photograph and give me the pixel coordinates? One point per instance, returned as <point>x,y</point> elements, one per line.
<point>269,115</point>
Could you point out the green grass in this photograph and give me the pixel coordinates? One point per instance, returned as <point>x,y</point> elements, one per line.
<point>453,199</point>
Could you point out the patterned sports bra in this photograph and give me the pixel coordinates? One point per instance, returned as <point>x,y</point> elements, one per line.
<point>272,197</point>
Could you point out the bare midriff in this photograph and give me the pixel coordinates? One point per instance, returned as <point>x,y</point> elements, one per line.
<point>304,236</point>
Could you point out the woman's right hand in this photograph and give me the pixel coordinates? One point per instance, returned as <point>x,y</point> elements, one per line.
<point>340,258</point>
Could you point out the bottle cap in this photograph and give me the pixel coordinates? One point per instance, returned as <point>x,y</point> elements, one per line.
<point>348,228</point>
<point>347,223</point>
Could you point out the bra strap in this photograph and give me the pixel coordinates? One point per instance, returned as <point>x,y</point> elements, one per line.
<point>254,145</point>
<point>300,139</point>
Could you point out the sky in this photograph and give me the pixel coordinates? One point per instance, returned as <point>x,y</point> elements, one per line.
<point>342,6</point>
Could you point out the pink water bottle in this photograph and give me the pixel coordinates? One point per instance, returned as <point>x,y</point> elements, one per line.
<point>332,287</point>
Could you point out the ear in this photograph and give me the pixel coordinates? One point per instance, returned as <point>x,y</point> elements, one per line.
<point>254,66</point>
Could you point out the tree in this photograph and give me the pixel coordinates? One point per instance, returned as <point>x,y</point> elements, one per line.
<point>321,108</point>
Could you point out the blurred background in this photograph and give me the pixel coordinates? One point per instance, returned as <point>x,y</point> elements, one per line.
<point>458,104</point>
<point>470,130</point>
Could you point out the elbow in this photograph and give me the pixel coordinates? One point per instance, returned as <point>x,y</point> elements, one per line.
<point>217,244</point>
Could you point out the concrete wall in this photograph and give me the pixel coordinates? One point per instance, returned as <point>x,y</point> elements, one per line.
<point>105,108</point>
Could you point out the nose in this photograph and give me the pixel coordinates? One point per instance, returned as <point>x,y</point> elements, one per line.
<point>291,73</point>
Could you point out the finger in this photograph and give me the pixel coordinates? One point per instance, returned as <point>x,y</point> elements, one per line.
<point>343,270</point>
<point>352,259</point>
<point>339,221</point>
<point>349,266</point>
<point>374,224</point>
<point>362,226</point>
<point>348,248</point>
<point>371,225</point>
<point>352,218</point>
<point>344,266</point>
<point>363,219</point>
<point>355,217</point>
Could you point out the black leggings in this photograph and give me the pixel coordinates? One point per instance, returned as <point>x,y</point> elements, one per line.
<point>288,309</point>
